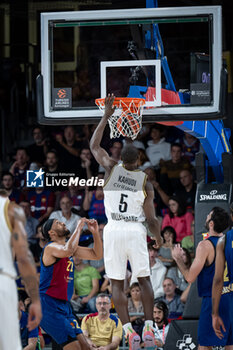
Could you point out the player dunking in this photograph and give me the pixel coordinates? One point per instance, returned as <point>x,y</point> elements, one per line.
<point>128,199</point>
<point>223,321</point>
<point>14,238</point>
<point>203,267</point>
<point>57,280</point>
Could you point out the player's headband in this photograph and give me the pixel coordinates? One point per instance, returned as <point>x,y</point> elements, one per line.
<point>46,228</point>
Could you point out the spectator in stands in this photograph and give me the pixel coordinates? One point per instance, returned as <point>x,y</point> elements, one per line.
<point>172,299</point>
<point>187,192</point>
<point>160,315</point>
<point>29,339</point>
<point>115,150</point>
<point>86,285</point>
<point>51,162</point>
<point>190,146</point>
<point>42,203</point>
<point>178,219</point>
<point>135,306</point>
<point>40,341</point>
<point>165,254</point>
<point>188,241</point>
<point>38,149</point>
<point>97,264</point>
<point>160,196</point>
<point>157,270</point>
<point>19,167</point>
<point>143,160</point>
<point>88,166</point>
<point>76,194</point>
<point>65,214</point>
<point>144,133</point>
<point>175,274</point>
<point>68,149</point>
<point>102,330</point>
<point>30,227</point>
<point>106,286</point>
<point>8,185</point>
<point>170,169</point>
<point>94,204</point>
<point>52,167</point>
<point>83,135</point>
<point>158,149</point>
<point>40,237</point>
<point>136,143</point>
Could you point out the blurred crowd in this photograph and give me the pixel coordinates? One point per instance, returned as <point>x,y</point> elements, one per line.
<point>165,154</point>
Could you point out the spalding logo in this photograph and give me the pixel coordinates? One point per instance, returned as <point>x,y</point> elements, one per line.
<point>213,196</point>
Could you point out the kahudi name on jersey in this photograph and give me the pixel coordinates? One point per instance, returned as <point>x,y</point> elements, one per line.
<point>127,180</point>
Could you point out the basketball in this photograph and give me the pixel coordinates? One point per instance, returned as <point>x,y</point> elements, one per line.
<point>127,123</point>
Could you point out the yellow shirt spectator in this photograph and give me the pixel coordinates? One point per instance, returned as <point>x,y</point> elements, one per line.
<point>102,328</point>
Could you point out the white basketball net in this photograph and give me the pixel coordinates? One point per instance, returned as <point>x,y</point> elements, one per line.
<point>125,121</point>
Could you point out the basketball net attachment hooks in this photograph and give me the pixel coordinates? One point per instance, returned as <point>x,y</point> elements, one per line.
<point>127,117</point>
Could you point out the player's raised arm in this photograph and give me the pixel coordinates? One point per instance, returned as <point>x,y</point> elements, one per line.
<point>217,287</point>
<point>202,251</point>
<point>98,152</point>
<point>149,211</point>
<point>25,263</point>
<point>57,250</point>
<point>95,253</point>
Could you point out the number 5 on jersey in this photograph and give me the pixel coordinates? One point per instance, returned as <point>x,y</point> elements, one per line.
<point>123,204</point>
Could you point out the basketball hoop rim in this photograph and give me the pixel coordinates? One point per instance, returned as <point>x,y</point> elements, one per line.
<point>126,119</point>
<point>126,100</point>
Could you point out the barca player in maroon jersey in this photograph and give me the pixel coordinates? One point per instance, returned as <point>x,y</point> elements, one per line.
<point>57,279</point>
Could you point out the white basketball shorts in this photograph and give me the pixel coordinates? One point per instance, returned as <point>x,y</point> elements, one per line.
<point>9,319</point>
<point>125,241</point>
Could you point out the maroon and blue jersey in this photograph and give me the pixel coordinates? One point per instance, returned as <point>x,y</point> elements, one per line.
<point>57,280</point>
<point>39,202</point>
<point>97,210</point>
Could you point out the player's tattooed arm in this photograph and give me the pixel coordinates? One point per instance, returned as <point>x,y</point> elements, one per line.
<point>23,255</point>
<point>31,286</point>
<point>25,263</point>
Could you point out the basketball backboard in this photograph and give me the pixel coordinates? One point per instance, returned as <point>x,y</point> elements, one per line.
<point>171,57</point>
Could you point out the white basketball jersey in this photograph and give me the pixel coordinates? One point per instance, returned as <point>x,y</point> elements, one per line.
<point>124,195</point>
<point>6,259</point>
